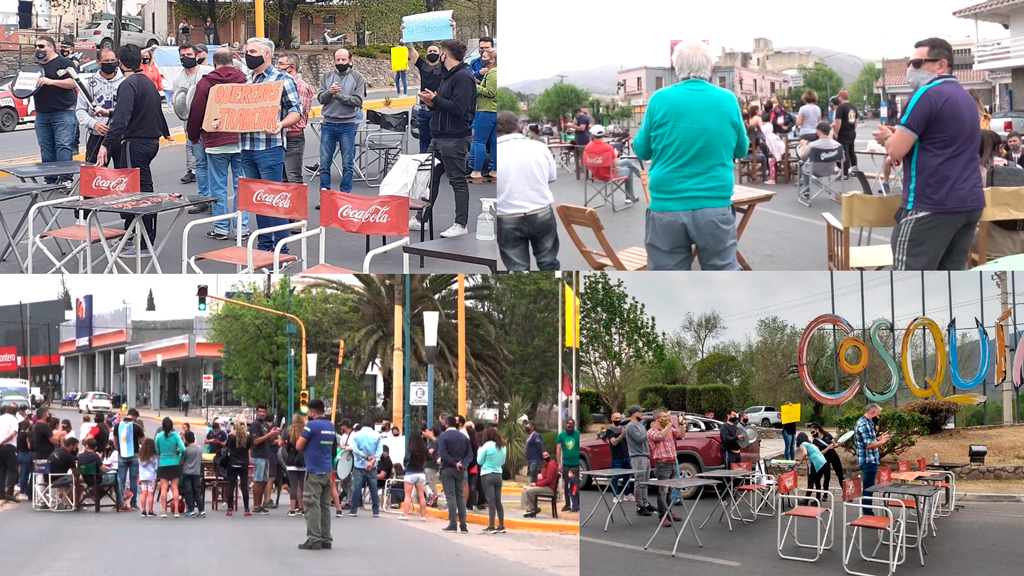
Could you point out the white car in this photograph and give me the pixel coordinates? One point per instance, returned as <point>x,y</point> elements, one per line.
<point>95,402</point>
<point>101,33</point>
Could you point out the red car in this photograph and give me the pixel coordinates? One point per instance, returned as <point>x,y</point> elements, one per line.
<point>698,451</point>
<point>14,111</point>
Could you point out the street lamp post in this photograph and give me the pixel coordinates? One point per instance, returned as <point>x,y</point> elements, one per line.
<point>430,341</point>
<point>156,394</point>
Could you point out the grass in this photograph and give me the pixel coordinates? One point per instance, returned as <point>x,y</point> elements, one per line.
<point>990,486</point>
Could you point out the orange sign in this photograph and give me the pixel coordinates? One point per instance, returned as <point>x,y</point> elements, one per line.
<point>243,107</point>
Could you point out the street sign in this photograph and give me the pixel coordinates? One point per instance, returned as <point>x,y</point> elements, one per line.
<point>417,393</point>
<point>207,382</point>
<point>796,81</point>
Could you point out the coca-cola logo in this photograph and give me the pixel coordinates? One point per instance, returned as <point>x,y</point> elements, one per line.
<point>374,214</point>
<point>116,185</point>
<point>279,200</point>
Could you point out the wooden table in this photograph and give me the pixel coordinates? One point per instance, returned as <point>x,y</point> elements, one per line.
<point>744,200</point>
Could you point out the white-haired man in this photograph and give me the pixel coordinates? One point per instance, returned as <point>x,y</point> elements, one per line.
<point>263,152</point>
<point>691,133</point>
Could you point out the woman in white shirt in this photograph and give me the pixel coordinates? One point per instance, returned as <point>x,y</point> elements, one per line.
<point>87,425</point>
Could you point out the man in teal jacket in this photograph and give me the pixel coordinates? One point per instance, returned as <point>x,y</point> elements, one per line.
<point>692,132</point>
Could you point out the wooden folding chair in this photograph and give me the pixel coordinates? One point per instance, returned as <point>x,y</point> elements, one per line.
<point>860,211</point>
<point>750,168</point>
<point>789,166</point>
<point>1001,204</point>
<point>885,522</point>
<point>634,258</point>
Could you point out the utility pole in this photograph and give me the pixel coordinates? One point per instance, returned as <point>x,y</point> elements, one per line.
<point>561,78</point>
<point>289,329</point>
<point>1004,305</point>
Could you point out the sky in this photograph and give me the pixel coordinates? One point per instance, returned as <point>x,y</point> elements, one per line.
<point>799,297</point>
<point>545,38</point>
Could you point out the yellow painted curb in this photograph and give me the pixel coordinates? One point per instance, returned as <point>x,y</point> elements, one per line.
<point>514,523</point>
<point>505,491</point>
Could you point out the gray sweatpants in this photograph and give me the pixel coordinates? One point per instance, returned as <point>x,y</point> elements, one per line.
<point>452,481</point>
<point>642,464</point>
<point>671,236</point>
<point>316,495</point>
<point>933,241</point>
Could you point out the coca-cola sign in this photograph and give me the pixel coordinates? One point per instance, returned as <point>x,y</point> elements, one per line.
<point>373,215</point>
<point>97,181</point>
<point>275,199</point>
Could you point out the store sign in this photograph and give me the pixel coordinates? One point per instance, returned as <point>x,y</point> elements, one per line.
<point>133,358</point>
<point>8,359</point>
<point>83,323</point>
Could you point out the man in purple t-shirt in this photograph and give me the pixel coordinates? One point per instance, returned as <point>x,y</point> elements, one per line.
<point>937,138</point>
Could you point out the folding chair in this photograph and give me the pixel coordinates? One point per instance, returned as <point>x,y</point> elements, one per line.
<point>1002,206</point>
<point>789,166</point>
<point>604,186</point>
<point>823,171</point>
<point>634,258</point>
<point>42,497</point>
<point>388,497</point>
<point>903,466</point>
<point>53,492</point>
<point>96,488</point>
<point>860,211</point>
<point>885,522</point>
<point>949,485</point>
<point>749,167</point>
<point>273,199</point>
<point>384,146</point>
<point>94,182</point>
<point>370,215</point>
<point>822,517</point>
<point>884,476</point>
<point>755,492</point>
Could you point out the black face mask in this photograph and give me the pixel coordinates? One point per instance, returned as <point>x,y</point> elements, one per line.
<point>65,53</point>
<point>745,420</point>
<point>145,60</point>
<point>188,62</point>
<point>734,419</point>
<point>342,68</point>
<point>485,63</point>
<point>108,67</point>
<point>253,62</point>
<point>616,422</point>
<point>875,420</point>
<point>40,54</point>
<point>200,59</point>
<point>433,58</point>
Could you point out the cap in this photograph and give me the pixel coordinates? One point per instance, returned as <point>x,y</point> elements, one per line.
<point>201,48</point>
<point>597,130</point>
<point>844,94</point>
<point>823,127</point>
<point>632,409</point>
<point>834,101</point>
<point>67,43</point>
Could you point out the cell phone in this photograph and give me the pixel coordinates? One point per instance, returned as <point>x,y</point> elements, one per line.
<point>675,420</point>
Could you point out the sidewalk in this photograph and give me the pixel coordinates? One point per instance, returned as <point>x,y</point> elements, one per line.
<point>195,417</point>
<point>566,523</point>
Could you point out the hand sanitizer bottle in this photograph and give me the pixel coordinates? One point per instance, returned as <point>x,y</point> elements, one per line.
<point>485,221</point>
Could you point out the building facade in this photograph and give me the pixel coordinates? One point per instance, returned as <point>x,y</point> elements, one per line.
<point>895,87</point>
<point>1002,59</point>
<point>764,58</point>
<point>30,332</point>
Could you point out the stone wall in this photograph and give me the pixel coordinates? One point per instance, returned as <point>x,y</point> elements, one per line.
<point>990,473</point>
<point>11,62</point>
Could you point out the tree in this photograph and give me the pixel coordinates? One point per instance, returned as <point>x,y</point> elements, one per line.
<point>864,85</point>
<point>718,368</point>
<point>560,100</point>
<point>620,343</point>
<point>822,80</point>
<point>150,302</point>
<point>508,101</point>
<point>65,293</point>
<point>701,329</point>
<point>773,350</point>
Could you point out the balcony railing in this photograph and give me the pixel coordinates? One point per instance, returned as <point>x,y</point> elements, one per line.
<point>1006,53</point>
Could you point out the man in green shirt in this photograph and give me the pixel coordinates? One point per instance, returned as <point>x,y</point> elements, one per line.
<point>569,455</point>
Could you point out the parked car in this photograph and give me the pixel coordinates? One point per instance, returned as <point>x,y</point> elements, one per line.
<point>1006,121</point>
<point>101,33</point>
<point>764,416</point>
<point>94,402</point>
<point>14,111</point>
<point>698,451</point>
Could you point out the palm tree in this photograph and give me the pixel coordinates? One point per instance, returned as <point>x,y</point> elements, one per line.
<point>374,333</point>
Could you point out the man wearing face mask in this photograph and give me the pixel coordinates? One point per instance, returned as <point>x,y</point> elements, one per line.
<point>55,107</point>
<point>201,54</point>
<point>569,455</point>
<point>616,437</point>
<point>103,89</point>
<point>341,94</point>
<point>731,434</point>
<point>195,156</point>
<point>867,442</point>
<point>662,437</point>
<point>639,458</point>
<point>430,79</point>
<point>938,135</point>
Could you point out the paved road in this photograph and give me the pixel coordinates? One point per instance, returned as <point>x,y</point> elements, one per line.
<point>979,535</point>
<point>782,235</point>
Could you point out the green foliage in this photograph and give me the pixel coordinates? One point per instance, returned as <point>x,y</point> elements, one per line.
<point>903,426</point>
<point>508,102</point>
<point>550,438</point>
<point>559,101</point>
<point>975,415</point>
<point>864,85</point>
<point>585,421</point>
<point>676,397</point>
<point>718,368</point>
<point>653,396</point>
<point>937,412</point>
<point>365,52</point>
<point>590,402</point>
<point>823,80</point>
<point>715,397</point>
<point>514,435</point>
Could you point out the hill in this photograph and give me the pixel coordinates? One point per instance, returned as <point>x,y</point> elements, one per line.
<point>600,80</point>
<point>846,65</point>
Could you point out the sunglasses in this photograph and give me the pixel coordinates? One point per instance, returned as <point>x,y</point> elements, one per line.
<point>918,62</point>
<point>41,46</point>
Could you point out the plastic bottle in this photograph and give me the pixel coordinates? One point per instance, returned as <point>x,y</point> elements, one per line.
<point>485,221</point>
<point>936,458</point>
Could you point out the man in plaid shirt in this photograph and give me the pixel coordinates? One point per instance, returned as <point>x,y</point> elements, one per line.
<point>263,152</point>
<point>867,444</point>
<point>662,438</point>
<point>296,137</point>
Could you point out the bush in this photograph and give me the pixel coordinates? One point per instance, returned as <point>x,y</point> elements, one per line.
<point>365,52</point>
<point>938,412</point>
<point>717,397</point>
<point>676,397</point>
<point>903,426</point>
<point>590,402</point>
<point>586,421</point>
<point>550,438</point>
<point>652,396</point>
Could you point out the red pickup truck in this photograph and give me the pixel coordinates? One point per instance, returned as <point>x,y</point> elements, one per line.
<point>698,451</point>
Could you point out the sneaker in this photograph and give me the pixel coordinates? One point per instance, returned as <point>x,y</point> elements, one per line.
<point>534,514</point>
<point>163,515</point>
<point>489,530</point>
<point>565,508</point>
<point>293,513</point>
<point>307,545</point>
<point>376,514</point>
<point>415,224</point>
<point>245,235</point>
<point>325,545</point>
<point>175,515</point>
<point>464,529</point>
<point>403,517</point>
<point>629,201</point>
<point>339,514</point>
<point>202,514</point>
<point>144,515</point>
<point>152,514</point>
<point>423,518</point>
<point>247,513</point>
<point>230,513</point>
<point>450,528</point>
<point>128,496</point>
<point>351,514</point>
<point>455,230</point>
<point>217,235</point>
<point>189,176</point>
<point>499,530</point>
<point>131,252</point>
<point>639,512</point>
<point>885,187</point>
<point>315,168</point>
<point>262,511</point>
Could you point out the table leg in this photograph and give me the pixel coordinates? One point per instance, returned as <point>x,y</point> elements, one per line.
<point>602,493</point>
<point>667,516</point>
<point>920,529</point>
<point>155,253</point>
<point>721,503</point>
<point>689,512</point>
<point>10,244</point>
<point>748,213</point>
<point>617,503</point>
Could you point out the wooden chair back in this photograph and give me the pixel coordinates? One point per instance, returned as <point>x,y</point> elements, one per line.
<point>1000,204</point>
<point>573,216</point>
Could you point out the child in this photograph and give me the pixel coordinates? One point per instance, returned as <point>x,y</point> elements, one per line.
<point>574,492</point>
<point>192,465</point>
<point>147,476</point>
<point>818,464</point>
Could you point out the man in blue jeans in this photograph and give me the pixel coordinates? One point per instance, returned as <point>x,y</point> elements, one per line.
<point>430,79</point>
<point>367,449</point>
<point>128,434</point>
<point>55,107</point>
<point>341,97</point>
<point>263,152</point>
<point>867,443</point>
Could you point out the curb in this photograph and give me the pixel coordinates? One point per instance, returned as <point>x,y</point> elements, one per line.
<point>504,491</point>
<point>513,523</point>
<point>968,497</point>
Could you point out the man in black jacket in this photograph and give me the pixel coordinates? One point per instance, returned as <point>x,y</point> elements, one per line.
<point>451,129</point>
<point>456,455</point>
<point>731,434</point>
<point>136,128</point>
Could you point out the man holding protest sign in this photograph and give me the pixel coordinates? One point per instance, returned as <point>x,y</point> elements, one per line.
<point>341,94</point>
<point>430,79</point>
<point>263,152</point>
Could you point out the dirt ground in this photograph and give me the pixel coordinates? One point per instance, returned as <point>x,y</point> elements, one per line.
<point>1005,446</point>
<point>989,487</point>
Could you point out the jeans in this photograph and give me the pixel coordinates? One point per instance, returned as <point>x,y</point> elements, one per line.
<point>361,478</point>
<point>671,236</point>
<point>316,496</point>
<point>452,481</point>
<point>518,234</point>
<point>9,470</point>
<point>332,136</point>
<point>140,154</point>
<point>201,167</point>
<point>55,133</point>
<point>218,175</point>
<point>25,462</point>
<point>634,170</point>
<point>453,153</point>
<point>870,474</point>
<point>492,491</point>
<point>293,158</point>
<point>195,496</point>
<point>485,137</point>
<point>209,38</point>
<point>184,408</point>
<point>790,445</point>
<point>534,467</point>
<point>401,76</point>
<point>267,165</point>
<point>623,480</point>
<point>423,121</point>
<point>642,464</point>
<point>663,471</point>
<point>128,468</point>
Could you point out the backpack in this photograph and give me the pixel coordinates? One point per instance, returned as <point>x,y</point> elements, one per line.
<point>292,456</point>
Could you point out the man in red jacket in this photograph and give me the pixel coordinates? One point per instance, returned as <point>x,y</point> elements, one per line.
<point>221,147</point>
<point>546,484</point>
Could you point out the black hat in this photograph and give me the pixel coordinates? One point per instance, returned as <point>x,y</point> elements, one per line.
<point>68,43</point>
<point>201,48</point>
<point>632,410</point>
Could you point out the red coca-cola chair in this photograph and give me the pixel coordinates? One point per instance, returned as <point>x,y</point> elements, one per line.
<point>369,215</point>
<point>265,198</point>
<point>94,182</point>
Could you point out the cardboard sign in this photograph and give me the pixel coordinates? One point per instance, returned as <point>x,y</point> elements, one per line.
<point>242,108</point>
<point>275,199</point>
<point>428,26</point>
<point>399,58</point>
<point>791,413</point>
<point>372,215</point>
<point>97,181</point>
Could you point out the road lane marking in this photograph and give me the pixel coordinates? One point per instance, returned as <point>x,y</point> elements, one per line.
<point>812,221</point>
<point>694,557</point>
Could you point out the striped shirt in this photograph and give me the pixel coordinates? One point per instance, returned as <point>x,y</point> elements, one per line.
<point>864,434</point>
<point>290,102</point>
<point>306,100</point>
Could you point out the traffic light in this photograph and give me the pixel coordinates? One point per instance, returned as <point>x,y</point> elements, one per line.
<point>337,351</point>
<point>304,401</point>
<point>202,297</point>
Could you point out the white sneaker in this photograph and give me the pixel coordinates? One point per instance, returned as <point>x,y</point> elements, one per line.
<point>455,230</point>
<point>415,224</point>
